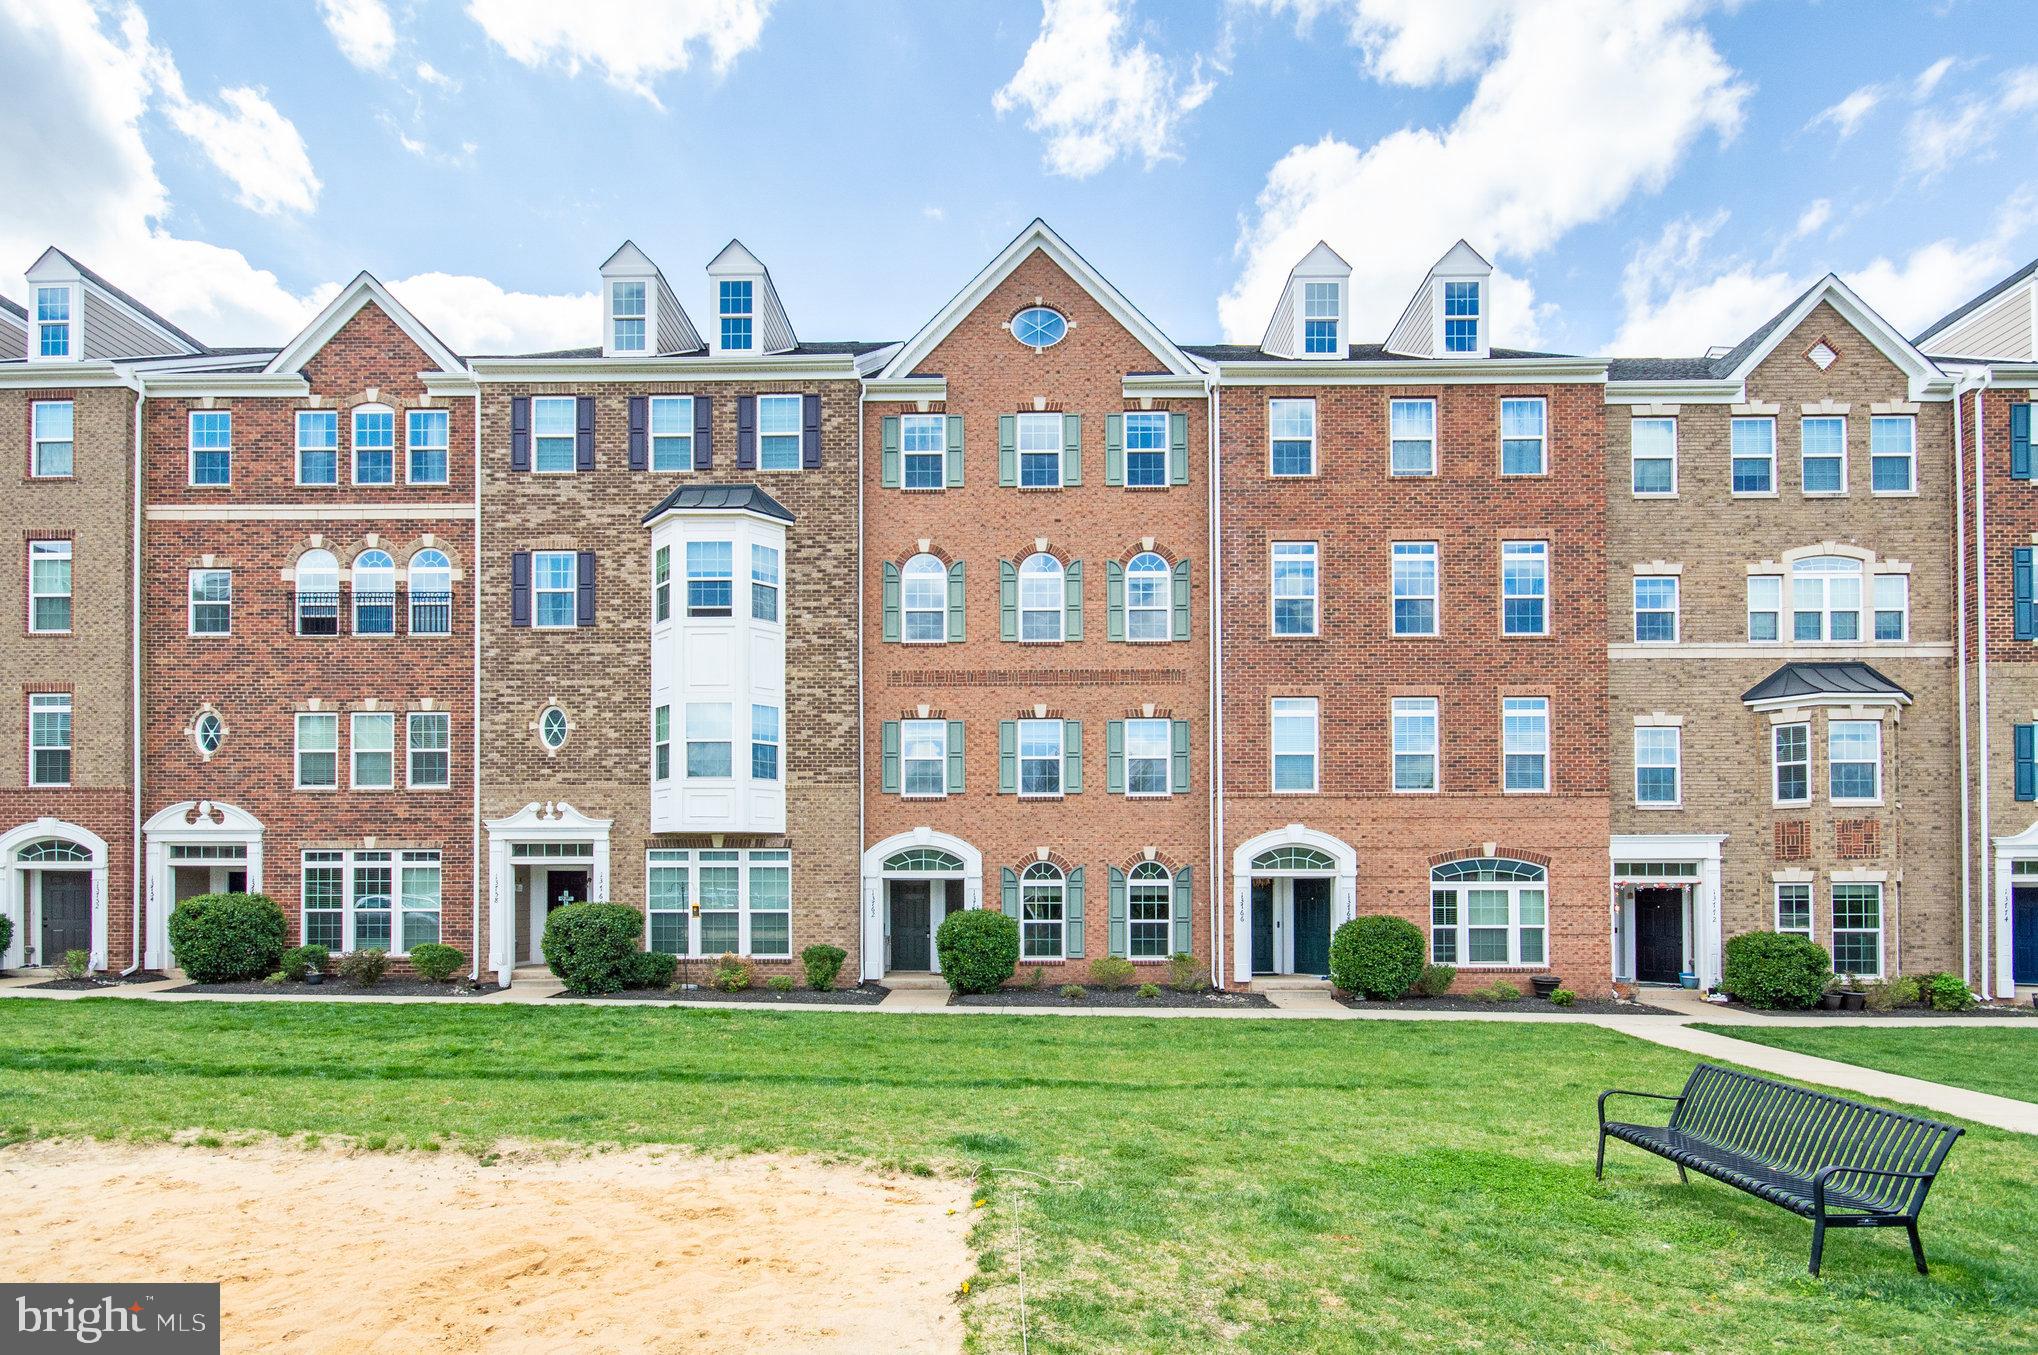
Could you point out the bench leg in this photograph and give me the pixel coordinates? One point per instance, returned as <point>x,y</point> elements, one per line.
<point>1681,1176</point>
<point>1818,1241</point>
<point>1599,1167</point>
<point>1917,1247</point>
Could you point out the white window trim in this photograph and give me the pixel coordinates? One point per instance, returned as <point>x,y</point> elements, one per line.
<point>1433,551</point>
<point>1060,609</point>
<point>395,448</point>
<point>688,861</point>
<point>941,761</point>
<point>939,456</point>
<point>354,750</point>
<point>1677,745</point>
<point>1864,611</point>
<point>1846,434</point>
<point>722,345</point>
<point>345,861</point>
<point>299,448</point>
<point>354,603</point>
<point>1434,431</point>
<point>1315,753</point>
<point>1436,755</point>
<point>35,444</point>
<point>1315,463</point>
<point>69,707</point>
<point>1548,606</point>
<point>686,741</point>
<point>73,331</point>
<point>69,554</point>
<point>1147,417</point>
<point>192,449</point>
<point>651,434</point>
<point>1775,488</point>
<point>1549,734</point>
<point>191,604</point>
<point>1776,906</point>
<point>906,612</point>
<point>1061,922</point>
<point>799,438</point>
<point>1020,453</point>
<point>1776,764</point>
<point>1061,759</point>
<point>297,750</point>
<point>1676,608</point>
<point>1633,459</point>
<point>1782,610</point>
<point>1910,457</point>
<point>1315,592</point>
<point>573,403</point>
<point>410,749</point>
<point>1462,927</point>
<point>1166,608</point>
<point>1878,797</point>
<point>409,447</point>
<point>616,345</point>
<point>1542,439</point>
<point>1167,763</point>
<point>1871,607</point>
<point>1880,930</point>
<point>572,592</point>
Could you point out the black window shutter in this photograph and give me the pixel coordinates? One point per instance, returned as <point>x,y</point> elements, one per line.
<point>703,433</point>
<point>640,432</point>
<point>520,433</point>
<point>746,432</point>
<point>583,436</point>
<point>584,576</point>
<point>520,588</point>
<point>810,432</point>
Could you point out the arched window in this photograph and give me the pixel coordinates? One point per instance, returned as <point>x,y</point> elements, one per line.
<point>1148,600</point>
<point>431,593</point>
<point>1825,598</point>
<point>1489,911</point>
<point>923,860</point>
<point>318,593</point>
<point>374,593</point>
<point>1042,595</point>
<point>552,726</point>
<point>923,588</point>
<point>52,851</point>
<point>208,731</point>
<point>1042,901</point>
<point>1149,911</point>
<point>1297,860</point>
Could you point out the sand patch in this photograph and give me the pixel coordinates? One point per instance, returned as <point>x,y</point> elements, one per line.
<point>652,1250</point>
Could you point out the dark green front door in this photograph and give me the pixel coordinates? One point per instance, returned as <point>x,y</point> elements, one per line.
<point>66,914</point>
<point>911,926</point>
<point>1263,926</point>
<point>1312,926</point>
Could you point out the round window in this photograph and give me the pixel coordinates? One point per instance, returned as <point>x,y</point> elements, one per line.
<point>1039,327</point>
<point>552,728</point>
<point>207,731</point>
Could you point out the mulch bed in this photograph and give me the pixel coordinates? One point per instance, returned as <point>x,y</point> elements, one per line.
<point>1530,1006</point>
<point>1106,997</point>
<point>1978,1014</point>
<point>333,988</point>
<point>102,981</point>
<point>863,995</point>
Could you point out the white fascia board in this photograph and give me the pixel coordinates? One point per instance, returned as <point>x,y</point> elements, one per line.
<point>344,307</point>
<point>1823,699</point>
<point>905,390</point>
<point>1415,372</point>
<point>685,367</point>
<point>1166,386</point>
<point>449,383</point>
<point>1921,370</point>
<point>27,376</point>
<point>1696,392</point>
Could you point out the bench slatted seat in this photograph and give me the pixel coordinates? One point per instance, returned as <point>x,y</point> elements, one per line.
<point>1839,1163</point>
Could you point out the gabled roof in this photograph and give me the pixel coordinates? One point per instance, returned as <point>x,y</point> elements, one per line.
<point>363,290</point>
<point>720,499</point>
<point>170,330</point>
<point>1357,352</point>
<point>774,333</point>
<point>1798,682</point>
<point>15,309</point>
<point>1039,237</point>
<point>1960,312</point>
<point>1458,262</point>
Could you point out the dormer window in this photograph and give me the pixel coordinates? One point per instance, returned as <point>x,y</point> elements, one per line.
<point>737,312</point>
<point>1461,317</point>
<point>1319,317</point>
<point>53,322</point>
<point>626,316</point>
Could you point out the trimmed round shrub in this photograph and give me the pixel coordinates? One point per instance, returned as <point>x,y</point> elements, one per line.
<point>301,960</point>
<point>979,949</point>
<point>1112,972</point>
<point>1950,993</point>
<point>1435,980</point>
<point>365,967</point>
<point>591,947</point>
<point>653,969</point>
<point>1563,997</point>
<point>780,983</point>
<point>1771,969</point>
<point>228,938</point>
<point>6,934</point>
<point>434,963</point>
<point>823,964</point>
<point>1378,956</point>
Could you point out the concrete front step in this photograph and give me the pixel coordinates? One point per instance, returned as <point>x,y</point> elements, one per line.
<point>912,982</point>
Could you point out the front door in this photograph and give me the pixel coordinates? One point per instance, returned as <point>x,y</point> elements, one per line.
<point>1659,935</point>
<point>66,913</point>
<point>912,926</point>
<point>2024,935</point>
<point>1312,926</point>
<point>1263,926</point>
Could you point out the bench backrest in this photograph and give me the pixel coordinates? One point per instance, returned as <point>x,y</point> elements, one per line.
<point>1799,1131</point>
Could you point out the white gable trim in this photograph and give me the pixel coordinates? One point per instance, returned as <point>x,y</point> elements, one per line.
<point>1888,340</point>
<point>344,307</point>
<point>1039,236</point>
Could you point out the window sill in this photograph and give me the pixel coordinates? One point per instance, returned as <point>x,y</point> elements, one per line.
<point>1540,790</point>
<point>50,634</point>
<point>1641,497</point>
<point>1278,635</point>
<point>1042,795</point>
<point>1313,790</point>
<point>31,478</point>
<point>1752,494</point>
<point>1658,808</point>
<point>1148,489</point>
<point>1893,493</point>
<point>922,797</point>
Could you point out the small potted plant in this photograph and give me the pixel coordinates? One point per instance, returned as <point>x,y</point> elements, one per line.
<point>1545,984</point>
<point>1830,1000</point>
<point>1853,997</point>
<point>1689,979</point>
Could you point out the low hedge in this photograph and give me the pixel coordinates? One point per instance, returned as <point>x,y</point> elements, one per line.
<point>435,963</point>
<point>979,949</point>
<point>1774,969</point>
<point>823,965</point>
<point>301,960</point>
<point>592,947</point>
<point>1379,956</point>
<point>228,938</point>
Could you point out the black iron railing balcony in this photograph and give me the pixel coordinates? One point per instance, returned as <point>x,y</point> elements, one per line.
<point>317,613</point>
<point>374,613</point>
<point>431,613</point>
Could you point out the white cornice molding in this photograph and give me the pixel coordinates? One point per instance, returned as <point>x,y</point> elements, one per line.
<point>1413,372</point>
<point>310,512</point>
<point>821,366</point>
<point>905,389</point>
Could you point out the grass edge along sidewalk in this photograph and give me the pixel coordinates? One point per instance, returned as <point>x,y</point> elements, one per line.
<point>1998,1060</point>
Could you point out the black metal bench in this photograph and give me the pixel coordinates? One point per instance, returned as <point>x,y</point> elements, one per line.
<point>1837,1162</point>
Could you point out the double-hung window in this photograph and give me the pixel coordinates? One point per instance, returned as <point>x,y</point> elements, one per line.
<point>1149,599</point>
<point>778,432</point>
<point>555,584</point>
<point>211,608</point>
<point>661,584</point>
<point>1524,437</point>
<point>1415,743</point>
<point>1147,747</point>
<point>671,432</point>
<point>1149,911</point>
<point>1893,454</point>
<point>1656,609</point>
<point>1754,455</point>
<point>1489,911</point>
<point>370,899</point>
<point>1291,425</point>
<point>418,889</point>
<point>1295,588</point>
<point>1461,317</point>
<point>53,322</point>
<point>1857,929</point>
<point>554,425</point>
<point>1854,761</point>
<point>923,443</point>
<point>1524,587</point>
<point>1294,743</point>
<point>1652,451</point>
<point>49,587</point>
<point>626,316</point>
<point>1659,769</point>
<point>1792,756</point>
<point>374,750</point>
<point>1892,595</point>
<point>1042,903</point>
<point>1823,452</point>
<point>1765,608</point>
<point>212,447</point>
<point>710,578</point>
<point>374,579</point>
<point>318,447</point>
<point>1825,599</point>
<point>745,901</point>
<point>1794,909</point>
<point>1040,757</point>
<point>1040,449</point>
<point>318,751</point>
<point>374,446</point>
<point>425,443</point>
<point>54,424</point>
<point>764,743</point>
<point>1043,595</point>
<point>1319,318</point>
<point>1146,450</point>
<point>661,743</point>
<point>1412,437</point>
<point>923,758</point>
<point>764,582</point>
<point>734,305</point>
<point>710,739</point>
<point>430,585</point>
<point>429,742</point>
<point>923,600</point>
<point>1525,743</point>
<point>49,739</point>
<point>1414,582</point>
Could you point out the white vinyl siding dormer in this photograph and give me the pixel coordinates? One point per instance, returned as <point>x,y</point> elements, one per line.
<point>745,314</point>
<point>1311,320</point>
<point>1450,315</point>
<point>640,315</point>
<point>56,322</point>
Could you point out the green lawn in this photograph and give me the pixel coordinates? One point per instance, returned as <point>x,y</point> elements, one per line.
<point>1987,1059</point>
<point>1216,1185</point>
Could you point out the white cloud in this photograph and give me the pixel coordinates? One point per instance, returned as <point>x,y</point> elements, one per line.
<point>632,44</point>
<point>362,29</point>
<point>1410,42</point>
<point>1812,219</point>
<point>437,78</point>
<point>1934,278</point>
<point>1929,78</point>
<point>475,315</point>
<point>1092,96</point>
<point>1847,115</point>
<point>1937,136</point>
<point>1577,108</point>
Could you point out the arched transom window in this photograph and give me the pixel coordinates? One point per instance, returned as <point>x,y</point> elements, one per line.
<point>1042,595</point>
<point>431,593</point>
<point>923,588</point>
<point>1149,911</point>
<point>1148,604</point>
<point>1043,900</point>
<point>374,593</point>
<point>1489,911</point>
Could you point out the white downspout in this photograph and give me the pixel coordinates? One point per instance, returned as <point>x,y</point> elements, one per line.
<point>135,682</point>
<point>862,697</point>
<point>475,866</point>
<point>1967,842</point>
<point>1981,610</point>
<point>1218,912</point>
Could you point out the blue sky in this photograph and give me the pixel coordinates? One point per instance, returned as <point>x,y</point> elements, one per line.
<point>1647,175</point>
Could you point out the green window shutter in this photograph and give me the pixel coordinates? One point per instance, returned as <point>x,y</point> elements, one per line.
<point>1072,584</point>
<point>1008,600</point>
<point>888,460</point>
<point>1181,599</point>
<point>888,779</point>
<point>1008,449</point>
<point>2024,613</point>
<point>1116,937</point>
<point>2027,762</point>
<point>1185,897</point>
<point>1178,449</point>
<point>1178,772</point>
<point>1114,756</point>
<point>2020,443</point>
<point>1114,454</point>
<point>956,594</point>
<point>1072,757</point>
<point>955,757</point>
<point>1071,449</point>
<point>1114,600</point>
<point>1073,908</point>
<point>954,451</point>
<point>1008,891</point>
<point>891,596</point>
<point>1008,757</point>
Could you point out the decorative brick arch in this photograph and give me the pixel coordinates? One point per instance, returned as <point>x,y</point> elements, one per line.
<point>1053,858</point>
<point>1499,852</point>
<point>1159,548</point>
<point>1172,865</point>
<point>905,557</point>
<point>1033,547</point>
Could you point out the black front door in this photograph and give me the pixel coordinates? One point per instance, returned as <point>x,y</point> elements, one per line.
<point>66,914</point>
<point>1312,926</point>
<point>1659,935</point>
<point>1263,926</point>
<point>912,922</point>
<point>2024,934</point>
<point>564,887</point>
